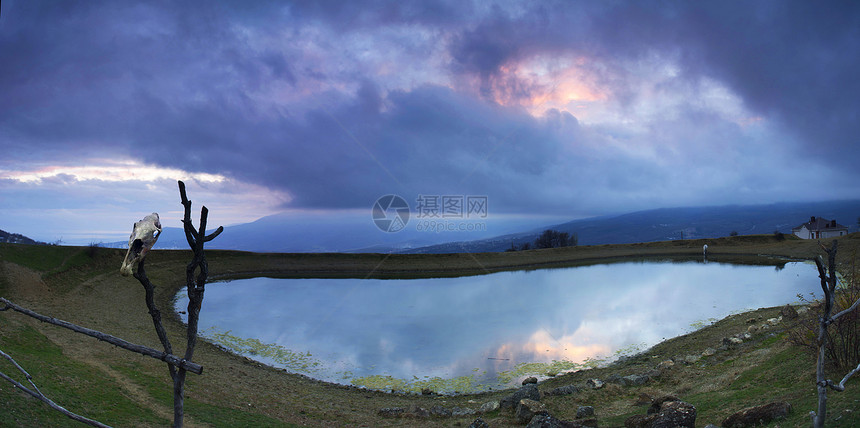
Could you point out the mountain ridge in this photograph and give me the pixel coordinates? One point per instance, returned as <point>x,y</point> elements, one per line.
<point>285,234</point>
<point>663,224</point>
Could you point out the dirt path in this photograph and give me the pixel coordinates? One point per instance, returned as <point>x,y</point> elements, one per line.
<point>24,282</point>
<point>31,291</point>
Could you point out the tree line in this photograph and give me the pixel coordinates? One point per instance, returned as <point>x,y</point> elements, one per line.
<point>548,239</point>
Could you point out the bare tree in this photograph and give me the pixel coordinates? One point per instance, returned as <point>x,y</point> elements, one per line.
<point>143,237</point>
<point>195,286</point>
<point>828,285</point>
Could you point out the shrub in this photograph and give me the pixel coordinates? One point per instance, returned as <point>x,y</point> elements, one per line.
<point>843,336</point>
<point>93,249</point>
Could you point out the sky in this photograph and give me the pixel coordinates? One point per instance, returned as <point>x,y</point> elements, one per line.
<point>552,110</point>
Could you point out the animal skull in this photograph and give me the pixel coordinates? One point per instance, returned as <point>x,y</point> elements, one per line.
<point>142,238</point>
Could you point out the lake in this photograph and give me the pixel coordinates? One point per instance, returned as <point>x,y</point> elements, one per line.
<point>482,332</point>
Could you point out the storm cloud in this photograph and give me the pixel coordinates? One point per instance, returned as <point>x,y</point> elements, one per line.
<point>569,108</point>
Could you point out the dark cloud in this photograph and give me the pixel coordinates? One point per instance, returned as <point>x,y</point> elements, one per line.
<point>790,61</point>
<point>296,97</point>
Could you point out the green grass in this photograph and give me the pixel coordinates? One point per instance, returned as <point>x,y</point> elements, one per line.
<point>161,389</point>
<point>235,392</point>
<point>62,268</point>
<point>83,390</point>
<point>41,258</point>
<point>222,416</point>
<point>76,386</point>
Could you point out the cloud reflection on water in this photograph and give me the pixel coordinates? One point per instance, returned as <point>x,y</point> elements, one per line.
<point>449,327</point>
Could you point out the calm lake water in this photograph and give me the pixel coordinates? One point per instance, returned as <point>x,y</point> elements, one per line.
<point>480,332</point>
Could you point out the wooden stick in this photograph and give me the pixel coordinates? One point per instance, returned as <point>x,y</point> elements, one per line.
<point>113,340</point>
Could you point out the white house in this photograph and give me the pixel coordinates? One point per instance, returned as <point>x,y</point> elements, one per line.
<point>819,228</point>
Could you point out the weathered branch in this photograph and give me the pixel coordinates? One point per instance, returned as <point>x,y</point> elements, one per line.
<point>828,285</point>
<point>195,288</point>
<point>214,234</point>
<point>38,394</point>
<point>841,386</point>
<point>846,311</point>
<point>140,275</point>
<point>113,340</point>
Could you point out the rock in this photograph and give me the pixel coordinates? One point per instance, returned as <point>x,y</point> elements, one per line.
<point>668,364</point>
<point>729,341</point>
<point>639,421</point>
<point>657,403</point>
<point>419,412</point>
<point>594,383</point>
<point>529,380</point>
<point>527,409</point>
<point>426,391</point>
<point>675,414</point>
<point>545,420</point>
<point>711,426</point>
<point>690,359</point>
<point>440,412</point>
<point>759,415</point>
<point>529,391</point>
<point>583,412</point>
<point>460,412</point>
<point>488,407</point>
<point>752,329</point>
<point>479,423</point>
<point>774,321</point>
<point>391,412</point>
<point>789,312</point>
<point>746,336</point>
<point>653,373</point>
<point>709,352</point>
<point>635,380</point>
<point>563,390</point>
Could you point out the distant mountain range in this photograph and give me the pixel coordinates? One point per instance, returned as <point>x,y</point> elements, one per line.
<point>15,238</point>
<point>673,223</point>
<point>284,233</point>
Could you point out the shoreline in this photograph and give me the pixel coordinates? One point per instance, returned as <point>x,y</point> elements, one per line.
<point>278,357</point>
<point>125,390</point>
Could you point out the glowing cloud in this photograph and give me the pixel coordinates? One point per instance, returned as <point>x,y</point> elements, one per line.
<point>108,170</point>
<point>545,82</point>
<point>118,191</point>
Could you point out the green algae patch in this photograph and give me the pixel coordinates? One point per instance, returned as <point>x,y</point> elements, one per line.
<point>550,369</point>
<point>290,360</point>
<point>457,385</point>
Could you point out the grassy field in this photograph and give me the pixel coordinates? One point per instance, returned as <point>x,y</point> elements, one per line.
<point>82,285</point>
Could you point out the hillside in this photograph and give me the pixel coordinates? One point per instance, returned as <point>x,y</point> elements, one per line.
<point>282,233</point>
<point>673,224</point>
<point>15,238</point>
<point>122,389</point>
